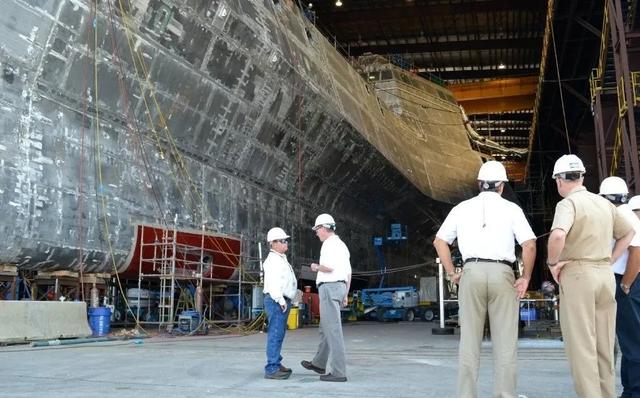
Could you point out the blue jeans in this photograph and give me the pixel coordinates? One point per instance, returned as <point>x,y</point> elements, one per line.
<point>277,329</point>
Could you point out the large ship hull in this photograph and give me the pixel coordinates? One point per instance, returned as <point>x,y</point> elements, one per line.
<point>234,114</point>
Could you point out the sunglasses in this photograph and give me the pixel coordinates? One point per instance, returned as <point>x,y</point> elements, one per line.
<point>283,241</point>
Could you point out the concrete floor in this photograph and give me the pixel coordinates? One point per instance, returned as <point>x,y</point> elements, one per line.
<point>384,360</point>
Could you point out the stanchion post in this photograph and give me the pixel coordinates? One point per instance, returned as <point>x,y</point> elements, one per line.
<point>442,329</point>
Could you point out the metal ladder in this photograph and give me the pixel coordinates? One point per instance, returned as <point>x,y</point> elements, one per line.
<point>167,278</point>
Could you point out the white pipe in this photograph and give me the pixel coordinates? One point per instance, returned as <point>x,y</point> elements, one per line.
<point>441,291</point>
<point>260,257</point>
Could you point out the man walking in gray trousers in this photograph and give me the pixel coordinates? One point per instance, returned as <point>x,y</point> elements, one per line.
<point>333,281</point>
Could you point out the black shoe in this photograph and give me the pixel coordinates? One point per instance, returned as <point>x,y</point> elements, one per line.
<point>311,366</point>
<point>278,375</point>
<point>284,369</point>
<point>330,377</point>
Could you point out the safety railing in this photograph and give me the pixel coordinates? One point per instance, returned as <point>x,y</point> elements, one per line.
<point>623,106</point>
<point>635,87</point>
<point>528,307</point>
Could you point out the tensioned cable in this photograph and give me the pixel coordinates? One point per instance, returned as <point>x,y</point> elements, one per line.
<point>564,113</point>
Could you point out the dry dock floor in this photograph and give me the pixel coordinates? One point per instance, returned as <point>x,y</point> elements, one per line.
<point>383,359</point>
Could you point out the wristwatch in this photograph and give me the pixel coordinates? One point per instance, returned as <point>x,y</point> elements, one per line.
<point>625,288</point>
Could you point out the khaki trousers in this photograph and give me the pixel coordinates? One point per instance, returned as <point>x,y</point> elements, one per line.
<point>587,320</point>
<point>488,287</point>
<point>331,348</point>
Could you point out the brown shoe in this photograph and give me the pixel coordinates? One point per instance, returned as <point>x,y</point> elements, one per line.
<point>311,366</point>
<point>284,369</point>
<point>277,375</point>
<point>330,377</point>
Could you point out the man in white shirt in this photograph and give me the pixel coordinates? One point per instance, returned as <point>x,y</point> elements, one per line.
<point>333,281</point>
<point>485,227</point>
<point>625,268</point>
<point>280,287</point>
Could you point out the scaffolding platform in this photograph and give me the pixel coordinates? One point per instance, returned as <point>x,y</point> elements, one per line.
<point>189,270</point>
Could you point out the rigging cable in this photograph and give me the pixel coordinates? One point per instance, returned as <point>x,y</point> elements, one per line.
<point>564,113</point>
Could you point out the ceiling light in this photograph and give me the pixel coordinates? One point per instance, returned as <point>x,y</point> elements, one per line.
<point>338,3</point>
<point>310,5</point>
<point>502,66</point>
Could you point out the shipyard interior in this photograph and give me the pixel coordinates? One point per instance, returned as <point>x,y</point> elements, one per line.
<point>149,147</point>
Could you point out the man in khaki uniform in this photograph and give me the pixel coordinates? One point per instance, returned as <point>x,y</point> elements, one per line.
<point>486,227</point>
<point>579,258</point>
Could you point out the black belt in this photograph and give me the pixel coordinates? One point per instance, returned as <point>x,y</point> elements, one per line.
<point>487,260</point>
<point>322,283</point>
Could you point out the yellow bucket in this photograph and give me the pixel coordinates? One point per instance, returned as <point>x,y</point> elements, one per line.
<point>292,321</point>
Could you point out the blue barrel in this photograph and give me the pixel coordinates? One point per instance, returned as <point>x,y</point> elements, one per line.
<point>100,321</point>
<point>528,314</point>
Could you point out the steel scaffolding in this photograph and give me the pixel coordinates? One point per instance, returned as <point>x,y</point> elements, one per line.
<point>173,264</point>
<point>614,81</point>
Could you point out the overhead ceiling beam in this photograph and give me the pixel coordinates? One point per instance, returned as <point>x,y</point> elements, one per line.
<point>498,105</point>
<point>480,74</point>
<point>496,96</point>
<point>498,88</point>
<point>519,118</point>
<point>403,12</point>
<point>470,45</point>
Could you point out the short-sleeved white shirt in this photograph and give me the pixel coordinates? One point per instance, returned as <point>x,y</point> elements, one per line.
<point>334,254</point>
<point>620,266</point>
<point>485,227</point>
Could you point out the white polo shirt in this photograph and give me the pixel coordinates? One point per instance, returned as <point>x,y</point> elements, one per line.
<point>279,278</point>
<point>620,266</point>
<point>334,254</point>
<point>485,227</point>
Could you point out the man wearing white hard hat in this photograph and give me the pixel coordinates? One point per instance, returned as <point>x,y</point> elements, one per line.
<point>280,287</point>
<point>486,227</point>
<point>579,258</point>
<point>333,281</point>
<point>626,270</point>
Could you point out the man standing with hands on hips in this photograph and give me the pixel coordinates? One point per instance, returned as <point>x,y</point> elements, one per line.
<point>579,258</point>
<point>280,286</point>
<point>333,281</point>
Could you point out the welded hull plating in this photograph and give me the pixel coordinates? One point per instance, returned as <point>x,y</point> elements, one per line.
<point>235,112</point>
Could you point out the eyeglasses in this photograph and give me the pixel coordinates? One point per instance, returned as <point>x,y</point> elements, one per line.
<point>283,241</point>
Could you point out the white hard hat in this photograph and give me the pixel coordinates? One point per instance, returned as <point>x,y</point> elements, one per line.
<point>492,171</point>
<point>568,164</point>
<point>324,220</point>
<point>275,234</point>
<point>613,186</point>
<point>634,203</point>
